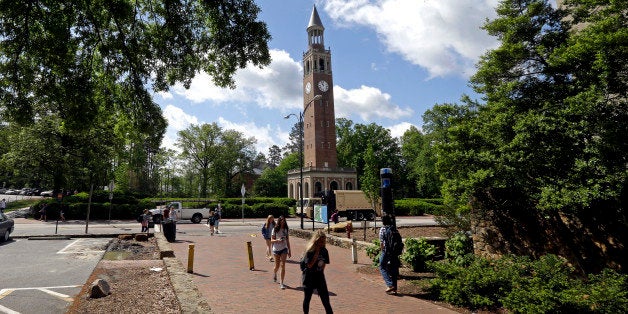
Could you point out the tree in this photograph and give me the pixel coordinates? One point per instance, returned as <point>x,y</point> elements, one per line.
<point>273,181</point>
<point>76,60</point>
<point>353,141</point>
<point>548,143</point>
<point>294,140</point>
<point>234,158</point>
<point>370,178</point>
<point>420,162</point>
<point>274,155</point>
<point>200,147</point>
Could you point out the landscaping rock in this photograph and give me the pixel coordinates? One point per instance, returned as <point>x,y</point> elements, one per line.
<point>100,288</point>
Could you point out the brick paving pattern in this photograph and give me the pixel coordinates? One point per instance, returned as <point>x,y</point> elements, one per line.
<point>221,273</point>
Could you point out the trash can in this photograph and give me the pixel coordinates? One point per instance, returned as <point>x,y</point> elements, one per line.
<point>169,228</point>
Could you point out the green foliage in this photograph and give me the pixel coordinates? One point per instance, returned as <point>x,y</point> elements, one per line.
<point>420,159</point>
<point>354,140</point>
<point>417,252</point>
<point>546,285</point>
<point>273,181</point>
<point>481,284</point>
<point>458,247</point>
<point>417,207</point>
<point>373,251</point>
<point>17,204</point>
<point>607,292</point>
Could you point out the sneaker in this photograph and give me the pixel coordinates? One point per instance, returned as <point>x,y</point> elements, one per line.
<point>274,277</point>
<point>282,287</point>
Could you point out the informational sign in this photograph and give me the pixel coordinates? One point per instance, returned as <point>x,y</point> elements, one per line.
<point>320,213</point>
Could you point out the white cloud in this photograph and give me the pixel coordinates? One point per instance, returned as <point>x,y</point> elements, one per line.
<point>265,135</point>
<point>368,103</point>
<point>441,36</point>
<point>276,86</point>
<point>397,130</point>
<point>165,95</point>
<point>177,120</point>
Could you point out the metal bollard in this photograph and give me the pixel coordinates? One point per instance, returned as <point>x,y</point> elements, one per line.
<point>191,258</point>
<point>354,251</point>
<point>249,248</point>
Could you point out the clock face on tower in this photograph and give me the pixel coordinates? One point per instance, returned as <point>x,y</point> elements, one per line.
<point>323,86</point>
<point>308,88</point>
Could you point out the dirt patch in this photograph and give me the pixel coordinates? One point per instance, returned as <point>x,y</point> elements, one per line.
<point>371,234</point>
<point>138,279</point>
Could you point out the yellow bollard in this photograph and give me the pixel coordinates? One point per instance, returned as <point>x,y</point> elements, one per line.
<point>191,258</point>
<point>249,248</point>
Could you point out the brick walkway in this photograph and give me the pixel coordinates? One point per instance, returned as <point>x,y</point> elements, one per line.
<point>221,273</point>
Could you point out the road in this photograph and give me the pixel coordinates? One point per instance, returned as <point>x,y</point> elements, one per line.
<point>43,276</point>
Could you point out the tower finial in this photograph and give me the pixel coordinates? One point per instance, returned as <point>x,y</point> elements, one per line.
<point>315,20</point>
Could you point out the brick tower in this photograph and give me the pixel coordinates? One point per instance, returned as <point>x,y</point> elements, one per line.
<point>320,162</point>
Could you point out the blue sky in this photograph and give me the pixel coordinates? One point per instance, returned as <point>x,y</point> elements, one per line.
<point>391,60</point>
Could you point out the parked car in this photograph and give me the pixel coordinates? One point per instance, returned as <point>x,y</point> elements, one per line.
<point>46,193</point>
<point>12,192</point>
<point>33,191</point>
<point>6,227</point>
<point>3,190</point>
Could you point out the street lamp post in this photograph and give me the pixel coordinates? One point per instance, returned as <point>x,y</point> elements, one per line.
<point>301,135</point>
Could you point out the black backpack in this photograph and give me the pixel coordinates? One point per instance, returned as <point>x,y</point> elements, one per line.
<point>394,243</point>
<point>140,218</point>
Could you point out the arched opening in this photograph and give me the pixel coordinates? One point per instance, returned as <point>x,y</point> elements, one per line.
<point>349,186</point>
<point>291,190</point>
<point>333,185</point>
<point>318,187</point>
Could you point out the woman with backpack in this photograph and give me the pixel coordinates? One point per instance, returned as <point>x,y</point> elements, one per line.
<point>267,230</point>
<point>389,258</point>
<point>313,263</point>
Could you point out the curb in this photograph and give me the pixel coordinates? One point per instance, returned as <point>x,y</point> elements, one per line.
<point>190,298</point>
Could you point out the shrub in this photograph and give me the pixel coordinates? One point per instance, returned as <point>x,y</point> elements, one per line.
<point>373,251</point>
<point>607,292</point>
<point>481,284</point>
<point>417,252</point>
<point>458,248</point>
<point>417,207</point>
<point>546,285</point>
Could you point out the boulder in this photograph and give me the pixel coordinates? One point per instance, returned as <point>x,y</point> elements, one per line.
<point>339,227</point>
<point>99,288</point>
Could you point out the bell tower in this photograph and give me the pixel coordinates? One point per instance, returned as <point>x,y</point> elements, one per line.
<point>319,125</point>
<point>320,173</point>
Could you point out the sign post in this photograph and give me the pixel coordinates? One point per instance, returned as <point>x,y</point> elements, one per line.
<point>243,191</point>
<point>110,198</point>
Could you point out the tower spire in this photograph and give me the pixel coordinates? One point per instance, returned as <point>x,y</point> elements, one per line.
<point>315,30</point>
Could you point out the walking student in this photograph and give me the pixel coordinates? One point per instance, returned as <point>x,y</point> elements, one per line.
<point>219,214</point>
<point>213,218</point>
<point>145,219</point>
<point>3,205</point>
<point>281,248</point>
<point>315,258</point>
<point>267,230</point>
<point>388,261</point>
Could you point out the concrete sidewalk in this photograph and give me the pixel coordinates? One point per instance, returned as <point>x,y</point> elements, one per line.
<point>222,275</point>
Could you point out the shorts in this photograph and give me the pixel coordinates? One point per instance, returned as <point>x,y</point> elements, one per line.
<point>281,252</point>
